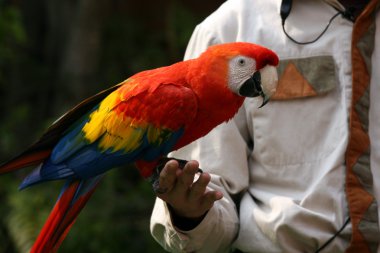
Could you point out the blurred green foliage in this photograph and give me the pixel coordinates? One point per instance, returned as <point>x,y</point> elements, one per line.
<point>39,81</point>
<point>12,38</point>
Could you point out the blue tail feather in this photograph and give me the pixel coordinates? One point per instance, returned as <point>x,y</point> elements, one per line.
<point>46,172</point>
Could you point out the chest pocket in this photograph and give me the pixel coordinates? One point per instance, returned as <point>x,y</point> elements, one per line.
<point>303,78</point>
<point>305,120</point>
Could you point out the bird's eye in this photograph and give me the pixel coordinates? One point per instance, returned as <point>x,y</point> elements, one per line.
<point>241,61</point>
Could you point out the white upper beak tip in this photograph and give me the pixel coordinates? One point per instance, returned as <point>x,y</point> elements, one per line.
<point>269,80</point>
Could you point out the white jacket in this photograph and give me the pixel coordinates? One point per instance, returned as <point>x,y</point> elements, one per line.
<point>294,171</point>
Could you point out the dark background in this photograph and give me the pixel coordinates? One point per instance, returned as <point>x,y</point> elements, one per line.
<point>53,54</point>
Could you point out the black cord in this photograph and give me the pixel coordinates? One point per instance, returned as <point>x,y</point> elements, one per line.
<point>334,236</point>
<point>317,38</point>
<point>330,239</point>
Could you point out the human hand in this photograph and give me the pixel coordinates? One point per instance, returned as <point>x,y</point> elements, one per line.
<point>187,199</point>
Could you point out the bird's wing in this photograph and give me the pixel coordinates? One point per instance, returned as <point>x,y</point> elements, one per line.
<point>127,118</point>
<point>41,149</point>
<point>129,124</point>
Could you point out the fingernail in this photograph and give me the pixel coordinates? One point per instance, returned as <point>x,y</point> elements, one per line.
<point>171,164</point>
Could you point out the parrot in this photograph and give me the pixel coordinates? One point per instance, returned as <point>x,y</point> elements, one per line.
<point>139,121</point>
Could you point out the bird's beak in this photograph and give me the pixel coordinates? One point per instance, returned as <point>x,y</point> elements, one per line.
<point>262,83</point>
<point>265,99</point>
<point>252,88</point>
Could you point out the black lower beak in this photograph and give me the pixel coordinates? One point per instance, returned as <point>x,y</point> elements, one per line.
<point>252,88</point>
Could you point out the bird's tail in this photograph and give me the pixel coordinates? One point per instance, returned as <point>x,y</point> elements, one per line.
<point>26,159</point>
<point>72,199</point>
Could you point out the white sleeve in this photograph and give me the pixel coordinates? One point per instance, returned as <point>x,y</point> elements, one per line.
<point>200,40</point>
<point>223,153</point>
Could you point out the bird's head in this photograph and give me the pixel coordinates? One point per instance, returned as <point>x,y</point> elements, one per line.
<point>250,68</point>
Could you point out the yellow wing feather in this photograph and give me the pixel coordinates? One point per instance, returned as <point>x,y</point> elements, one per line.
<point>116,131</point>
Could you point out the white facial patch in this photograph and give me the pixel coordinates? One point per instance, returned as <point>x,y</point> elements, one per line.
<point>240,69</point>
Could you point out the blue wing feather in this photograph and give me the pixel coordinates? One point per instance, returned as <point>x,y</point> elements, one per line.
<point>88,160</point>
<point>107,136</point>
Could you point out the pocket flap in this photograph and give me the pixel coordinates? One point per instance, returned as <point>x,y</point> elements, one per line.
<point>306,77</point>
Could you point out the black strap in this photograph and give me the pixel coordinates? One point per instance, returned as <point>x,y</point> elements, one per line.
<point>334,236</point>
<point>330,239</point>
<point>286,7</point>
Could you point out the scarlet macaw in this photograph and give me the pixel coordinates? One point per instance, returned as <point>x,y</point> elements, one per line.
<point>139,121</point>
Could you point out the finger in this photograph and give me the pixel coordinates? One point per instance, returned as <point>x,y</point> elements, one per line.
<point>186,176</point>
<point>209,199</point>
<point>198,189</point>
<point>168,176</point>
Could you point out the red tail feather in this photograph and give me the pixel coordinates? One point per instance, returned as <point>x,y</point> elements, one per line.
<point>24,160</point>
<point>61,219</point>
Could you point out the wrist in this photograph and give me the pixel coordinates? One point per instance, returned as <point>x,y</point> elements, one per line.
<point>185,223</point>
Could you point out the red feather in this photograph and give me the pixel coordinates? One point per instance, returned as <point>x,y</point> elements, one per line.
<point>25,160</point>
<point>190,97</point>
<point>62,217</point>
